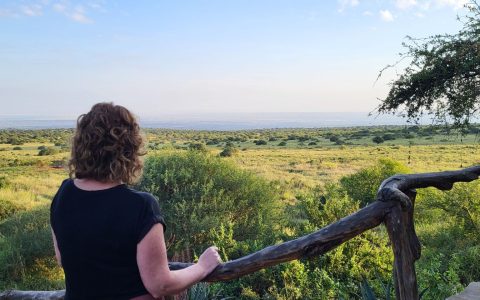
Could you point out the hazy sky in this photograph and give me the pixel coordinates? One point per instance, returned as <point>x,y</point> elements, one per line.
<point>156,57</point>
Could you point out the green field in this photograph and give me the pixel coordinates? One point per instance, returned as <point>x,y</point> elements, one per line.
<point>309,163</point>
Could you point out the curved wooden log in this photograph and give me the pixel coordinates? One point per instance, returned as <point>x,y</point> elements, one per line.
<point>400,224</point>
<point>395,186</point>
<point>396,197</point>
<point>316,243</point>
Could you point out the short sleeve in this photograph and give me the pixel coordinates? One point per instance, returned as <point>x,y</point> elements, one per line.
<point>149,216</point>
<point>54,203</point>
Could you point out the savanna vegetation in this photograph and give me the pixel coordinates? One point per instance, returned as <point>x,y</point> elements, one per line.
<point>245,190</point>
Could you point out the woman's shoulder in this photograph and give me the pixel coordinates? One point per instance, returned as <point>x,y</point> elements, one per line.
<point>64,185</point>
<point>142,195</point>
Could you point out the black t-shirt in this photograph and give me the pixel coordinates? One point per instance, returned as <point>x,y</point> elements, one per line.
<point>97,234</point>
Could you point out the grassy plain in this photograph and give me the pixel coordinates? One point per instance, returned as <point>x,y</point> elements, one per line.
<point>307,158</point>
<point>31,179</point>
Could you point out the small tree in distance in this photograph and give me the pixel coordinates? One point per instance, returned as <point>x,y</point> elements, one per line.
<point>378,139</point>
<point>229,150</point>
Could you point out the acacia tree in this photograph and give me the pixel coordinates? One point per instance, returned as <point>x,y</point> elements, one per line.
<point>443,76</point>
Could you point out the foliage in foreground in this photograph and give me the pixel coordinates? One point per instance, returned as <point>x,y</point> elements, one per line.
<point>200,193</point>
<point>447,224</point>
<point>26,252</point>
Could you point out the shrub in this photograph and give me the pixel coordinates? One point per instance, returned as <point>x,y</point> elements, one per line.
<point>17,148</point>
<point>14,141</point>
<point>197,147</point>
<point>47,151</point>
<point>26,239</point>
<point>7,208</point>
<point>228,151</point>
<point>260,142</point>
<point>363,185</point>
<point>388,137</point>
<point>213,142</point>
<point>3,182</point>
<point>334,138</point>
<point>198,192</point>
<point>303,138</point>
<point>282,143</point>
<point>337,273</point>
<point>377,139</point>
<point>462,204</point>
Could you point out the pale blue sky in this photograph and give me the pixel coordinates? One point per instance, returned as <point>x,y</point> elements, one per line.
<point>206,56</point>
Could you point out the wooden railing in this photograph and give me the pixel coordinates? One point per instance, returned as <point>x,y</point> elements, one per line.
<point>394,207</point>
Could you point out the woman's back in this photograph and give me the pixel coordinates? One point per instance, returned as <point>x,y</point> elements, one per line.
<point>108,240</point>
<point>97,234</point>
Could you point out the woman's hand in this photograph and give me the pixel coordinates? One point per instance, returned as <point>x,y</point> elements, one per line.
<point>209,259</point>
<point>153,265</point>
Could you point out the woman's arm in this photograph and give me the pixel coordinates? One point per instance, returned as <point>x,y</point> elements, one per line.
<point>55,246</point>
<point>153,265</point>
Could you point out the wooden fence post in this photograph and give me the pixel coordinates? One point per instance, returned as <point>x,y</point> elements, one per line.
<point>406,249</point>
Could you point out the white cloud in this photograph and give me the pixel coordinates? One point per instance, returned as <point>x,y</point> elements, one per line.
<point>419,15</point>
<point>367,13</point>
<point>456,4</point>
<point>77,14</point>
<point>59,7</point>
<point>32,10</point>
<point>344,4</point>
<point>386,16</point>
<point>405,4</point>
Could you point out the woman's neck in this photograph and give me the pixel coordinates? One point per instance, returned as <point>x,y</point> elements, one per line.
<point>93,185</point>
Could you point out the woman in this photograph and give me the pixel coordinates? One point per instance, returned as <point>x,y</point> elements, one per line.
<point>107,237</point>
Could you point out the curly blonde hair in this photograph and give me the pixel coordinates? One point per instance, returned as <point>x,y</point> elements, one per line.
<point>107,145</point>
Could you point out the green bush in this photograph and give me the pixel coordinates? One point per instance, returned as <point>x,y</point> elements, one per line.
<point>334,138</point>
<point>363,185</point>
<point>439,274</point>
<point>7,208</point>
<point>388,137</point>
<point>198,147</point>
<point>25,238</point>
<point>47,151</point>
<point>342,269</point>
<point>3,182</point>
<point>378,139</point>
<point>462,204</point>
<point>451,255</point>
<point>228,151</point>
<point>260,142</point>
<point>199,192</point>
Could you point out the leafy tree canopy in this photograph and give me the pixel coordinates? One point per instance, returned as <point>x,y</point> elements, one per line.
<point>443,77</point>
